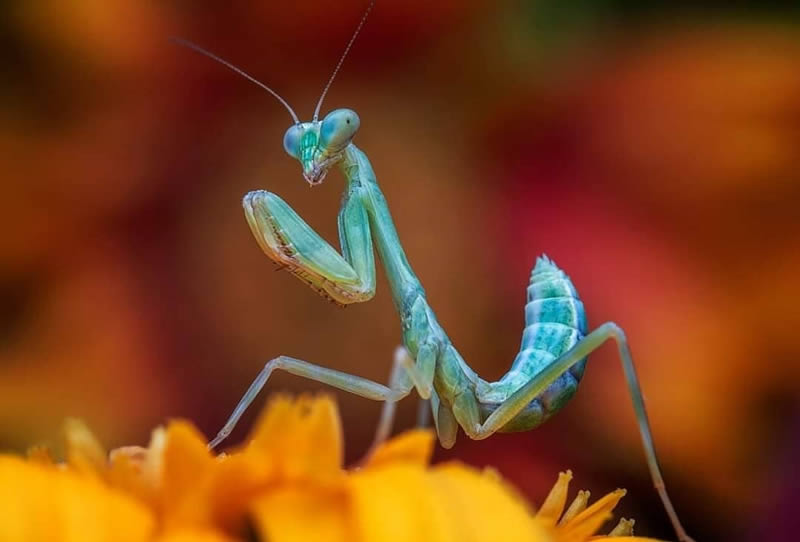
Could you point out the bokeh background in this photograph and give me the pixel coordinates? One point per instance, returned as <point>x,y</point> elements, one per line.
<point>650,148</point>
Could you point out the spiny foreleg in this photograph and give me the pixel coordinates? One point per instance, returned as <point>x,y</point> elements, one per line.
<point>289,241</point>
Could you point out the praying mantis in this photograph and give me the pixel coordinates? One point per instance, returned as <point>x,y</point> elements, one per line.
<point>555,343</point>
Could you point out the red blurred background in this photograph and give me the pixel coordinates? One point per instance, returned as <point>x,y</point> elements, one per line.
<point>650,149</point>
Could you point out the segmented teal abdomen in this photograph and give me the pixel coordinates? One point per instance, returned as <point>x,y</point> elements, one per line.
<point>555,321</point>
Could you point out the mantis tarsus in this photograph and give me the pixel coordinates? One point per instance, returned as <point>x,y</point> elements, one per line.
<point>555,343</point>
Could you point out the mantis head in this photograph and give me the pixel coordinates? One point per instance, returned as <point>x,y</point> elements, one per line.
<point>320,144</point>
<point>316,144</point>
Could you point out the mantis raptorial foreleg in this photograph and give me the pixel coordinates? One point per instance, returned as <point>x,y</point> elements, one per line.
<point>514,404</point>
<point>288,240</point>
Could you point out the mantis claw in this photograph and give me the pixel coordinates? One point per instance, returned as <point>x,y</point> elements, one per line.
<point>292,244</point>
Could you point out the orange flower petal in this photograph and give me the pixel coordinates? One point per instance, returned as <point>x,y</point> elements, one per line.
<point>397,503</point>
<point>236,481</point>
<point>483,509</point>
<point>623,528</point>
<point>85,454</point>
<point>402,503</point>
<point>287,484</point>
<point>187,466</point>
<point>192,535</point>
<point>138,470</point>
<point>623,539</point>
<point>553,505</point>
<point>411,447</point>
<point>577,506</point>
<point>303,436</point>
<point>40,455</point>
<point>48,503</point>
<point>126,473</point>
<point>298,513</point>
<point>589,521</point>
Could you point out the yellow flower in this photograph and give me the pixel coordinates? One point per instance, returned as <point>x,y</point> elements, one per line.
<point>286,484</point>
<point>579,523</point>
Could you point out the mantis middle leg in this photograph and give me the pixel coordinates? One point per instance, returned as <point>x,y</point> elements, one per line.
<point>466,413</point>
<point>404,377</point>
<point>363,387</point>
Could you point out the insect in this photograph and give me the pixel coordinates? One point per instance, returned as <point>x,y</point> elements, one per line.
<point>555,342</point>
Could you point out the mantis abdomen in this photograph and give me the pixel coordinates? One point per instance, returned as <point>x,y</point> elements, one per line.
<point>555,321</point>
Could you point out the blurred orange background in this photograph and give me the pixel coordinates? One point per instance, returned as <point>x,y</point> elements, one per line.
<point>651,150</point>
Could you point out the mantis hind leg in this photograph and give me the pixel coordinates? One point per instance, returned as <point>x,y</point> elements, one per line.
<point>290,242</point>
<point>514,404</point>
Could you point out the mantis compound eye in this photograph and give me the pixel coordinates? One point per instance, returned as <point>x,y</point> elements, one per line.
<point>291,141</point>
<point>338,128</point>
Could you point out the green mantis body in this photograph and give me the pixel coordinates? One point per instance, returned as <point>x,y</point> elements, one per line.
<point>555,343</point>
<point>555,320</point>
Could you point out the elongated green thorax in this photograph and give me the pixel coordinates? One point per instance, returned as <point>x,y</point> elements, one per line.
<point>361,180</point>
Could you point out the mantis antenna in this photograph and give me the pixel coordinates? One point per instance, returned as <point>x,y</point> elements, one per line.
<point>198,49</point>
<point>341,60</point>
